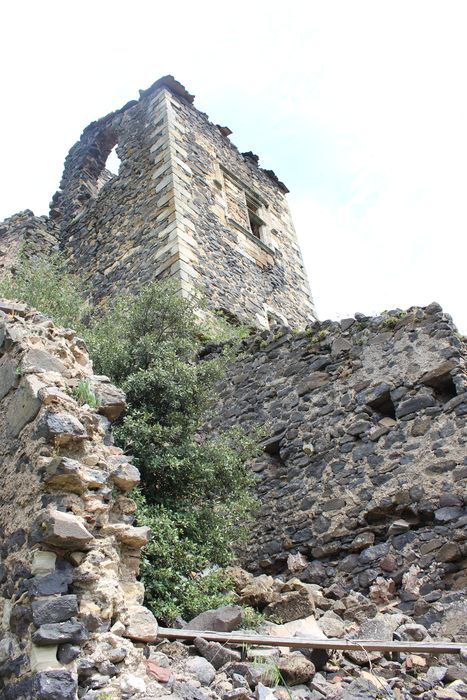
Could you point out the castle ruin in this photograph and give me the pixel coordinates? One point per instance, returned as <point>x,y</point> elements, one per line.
<point>364,470</point>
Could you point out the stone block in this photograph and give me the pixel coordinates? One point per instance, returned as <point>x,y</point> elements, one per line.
<point>414,405</point>
<point>60,529</point>
<point>56,685</point>
<point>54,609</point>
<point>24,406</point>
<point>9,377</point>
<point>42,658</point>
<point>60,633</point>
<point>70,475</point>
<point>223,619</point>
<point>128,535</point>
<point>43,562</point>
<point>126,476</point>
<point>66,652</point>
<point>142,625</point>
<point>50,584</point>
<point>37,360</point>
<point>111,401</point>
<point>216,653</point>
<point>64,427</point>
<point>294,605</point>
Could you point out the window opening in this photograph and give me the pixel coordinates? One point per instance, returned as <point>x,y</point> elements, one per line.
<point>256,223</point>
<point>113,162</point>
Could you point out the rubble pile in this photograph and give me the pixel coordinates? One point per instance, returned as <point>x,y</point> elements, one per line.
<point>206,670</point>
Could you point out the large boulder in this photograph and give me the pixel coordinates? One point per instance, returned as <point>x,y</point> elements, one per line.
<point>259,592</point>
<point>224,619</point>
<point>295,668</point>
<point>293,605</point>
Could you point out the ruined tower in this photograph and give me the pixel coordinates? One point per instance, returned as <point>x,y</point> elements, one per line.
<point>186,204</point>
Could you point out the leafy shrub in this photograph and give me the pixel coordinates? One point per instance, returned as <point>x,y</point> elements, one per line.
<point>196,489</point>
<point>44,283</point>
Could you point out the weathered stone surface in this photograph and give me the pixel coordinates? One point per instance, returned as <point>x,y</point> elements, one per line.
<point>64,427</point>
<point>60,633</point>
<point>49,584</point>
<point>60,529</point>
<point>141,625</point>
<point>56,685</point>
<point>70,475</point>
<point>67,653</point>
<point>37,360</point>
<point>111,401</point>
<point>418,403</point>
<point>54,609</point>
<point>258,592</point>
<point>296,668</point>
<point>294,605</point>
<point>216,653</point>
<point>126,476</point>
<point>224,619</point>
<point>128,535</point>
<point>9,377</point>
<point>24,406</point>
<point>201,669</point>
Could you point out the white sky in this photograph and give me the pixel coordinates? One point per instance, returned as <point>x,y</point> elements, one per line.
<point>359,106</point>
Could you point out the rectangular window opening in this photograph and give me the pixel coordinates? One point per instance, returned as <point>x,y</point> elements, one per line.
<point>256,223</point>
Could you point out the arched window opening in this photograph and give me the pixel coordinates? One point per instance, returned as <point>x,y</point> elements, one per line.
<point>113,162</point>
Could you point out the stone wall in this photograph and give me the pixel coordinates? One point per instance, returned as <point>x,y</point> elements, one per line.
<point>364,472</point>
<point>70,604</point>
<point>185,204</point>
<point>25,234</point>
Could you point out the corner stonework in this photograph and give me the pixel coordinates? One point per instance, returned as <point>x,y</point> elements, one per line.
<point>70,605</point>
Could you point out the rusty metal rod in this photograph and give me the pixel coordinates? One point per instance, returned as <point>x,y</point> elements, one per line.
<point>310,643</point>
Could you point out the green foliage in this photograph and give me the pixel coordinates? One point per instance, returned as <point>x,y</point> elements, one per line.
<point>84,393</point>
<point>44,283</point>
<point>252,619</point>
<point>195,489</point>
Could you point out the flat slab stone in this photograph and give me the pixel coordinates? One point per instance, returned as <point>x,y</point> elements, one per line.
<point>60,529</point>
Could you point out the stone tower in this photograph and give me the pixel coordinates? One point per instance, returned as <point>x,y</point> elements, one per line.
<point>185,204</point>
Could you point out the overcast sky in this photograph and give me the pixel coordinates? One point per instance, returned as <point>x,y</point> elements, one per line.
<point>360,108</point>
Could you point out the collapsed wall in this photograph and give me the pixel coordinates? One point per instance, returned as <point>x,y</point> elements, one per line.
<point>365,470</point>
<point>70,605</point>
<point>28,235</point>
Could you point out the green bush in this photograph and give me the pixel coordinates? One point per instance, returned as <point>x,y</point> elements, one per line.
<point>43,283</point>
<point>195,489</point>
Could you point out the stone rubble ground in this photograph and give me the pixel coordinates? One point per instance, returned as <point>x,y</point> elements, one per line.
<point>203,670</point>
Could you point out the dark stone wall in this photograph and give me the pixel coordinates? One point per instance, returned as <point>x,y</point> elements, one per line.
<point>364,470</point>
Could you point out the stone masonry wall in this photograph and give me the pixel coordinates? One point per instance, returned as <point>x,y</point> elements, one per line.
<point>179,208</point>
<point>25,234</point>
<point>70,605</point>
<point>364,472</point>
